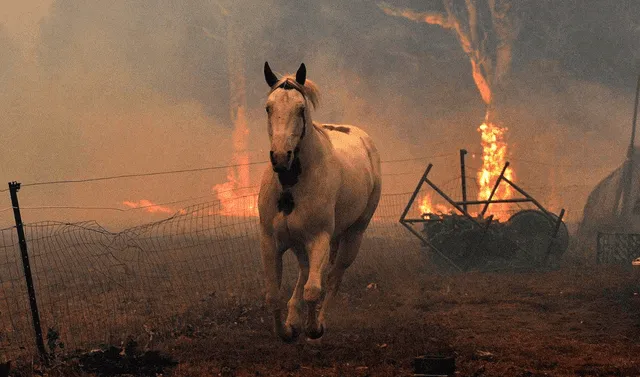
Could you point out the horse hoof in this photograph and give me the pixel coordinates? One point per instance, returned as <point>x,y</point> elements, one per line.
<point>291,335</point>
<point>315,334</point>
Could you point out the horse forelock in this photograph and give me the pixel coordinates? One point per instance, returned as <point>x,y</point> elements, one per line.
<point>309,90</point>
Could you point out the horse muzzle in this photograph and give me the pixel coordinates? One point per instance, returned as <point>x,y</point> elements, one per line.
<point>281,161</point>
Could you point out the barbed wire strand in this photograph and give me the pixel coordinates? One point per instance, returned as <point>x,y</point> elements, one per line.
<point>209,195</point>
<point>136,175</point>
<point>83,180</point>
<point>546,163</point>
<point>418,158</point>
<point>558,165</point>
<point>138,207</point>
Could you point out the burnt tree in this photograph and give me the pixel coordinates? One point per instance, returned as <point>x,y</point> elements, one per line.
<point>486,30</point>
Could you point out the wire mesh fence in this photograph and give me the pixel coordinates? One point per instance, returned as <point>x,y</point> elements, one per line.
<point>617,248</point>
<point>98,287</point>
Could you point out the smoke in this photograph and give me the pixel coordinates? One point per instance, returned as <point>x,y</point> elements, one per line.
<point>90,88</point>
<point>90,103</point>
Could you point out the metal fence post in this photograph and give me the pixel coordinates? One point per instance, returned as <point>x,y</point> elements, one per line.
<point>556,229</point>
<point>463,175</point>
<point>13,190</point>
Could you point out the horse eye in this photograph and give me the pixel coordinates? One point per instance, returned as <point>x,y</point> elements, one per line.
<point>301,111</point>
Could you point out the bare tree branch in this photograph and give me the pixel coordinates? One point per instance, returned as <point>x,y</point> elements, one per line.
<point>463,37</point>
<point>472,11</point>
<point>468,38</point>
<point>506,28</point>
<point>433,18</point>
<point>209,34</point>
<point>487,67</point>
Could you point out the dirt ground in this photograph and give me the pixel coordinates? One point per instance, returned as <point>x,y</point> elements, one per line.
<point>578,320</point>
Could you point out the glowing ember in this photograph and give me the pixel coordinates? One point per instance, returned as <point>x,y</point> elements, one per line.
<point>149,206</point>
<point>494,157</point>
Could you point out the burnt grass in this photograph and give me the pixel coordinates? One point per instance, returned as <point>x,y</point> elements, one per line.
<point>578,320</point>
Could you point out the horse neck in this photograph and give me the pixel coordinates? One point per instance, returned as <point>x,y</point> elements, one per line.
<point>313,147</point>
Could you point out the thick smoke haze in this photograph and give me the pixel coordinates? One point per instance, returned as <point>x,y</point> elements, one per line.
<point>95,88</point>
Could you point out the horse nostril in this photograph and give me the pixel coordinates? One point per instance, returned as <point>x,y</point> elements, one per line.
<point>289,153</point>
<point>273,158</point>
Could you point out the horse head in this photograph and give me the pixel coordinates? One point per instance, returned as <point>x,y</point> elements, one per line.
<point>287,115</point>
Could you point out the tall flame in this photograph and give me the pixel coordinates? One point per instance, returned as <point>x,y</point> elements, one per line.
<point>494,157</point>
<point>233,204</point>
<point>426,205</point>
<point>238,176</point>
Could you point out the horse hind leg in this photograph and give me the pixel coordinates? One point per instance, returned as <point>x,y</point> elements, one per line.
<point>348,249</point>
<point>347,252</point>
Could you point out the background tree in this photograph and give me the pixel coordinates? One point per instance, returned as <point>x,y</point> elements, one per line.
<point>238,176</point>
<point>486,31</point>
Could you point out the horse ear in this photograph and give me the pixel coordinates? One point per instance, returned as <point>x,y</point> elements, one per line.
<point>301,75</point>
<point>269,76</point>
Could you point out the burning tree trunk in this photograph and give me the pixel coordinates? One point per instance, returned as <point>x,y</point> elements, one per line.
<point>488,45</point>
<point>238,103</point>
<point>238,176</point>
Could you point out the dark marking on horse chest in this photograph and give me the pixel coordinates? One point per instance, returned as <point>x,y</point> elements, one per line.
<point>290,177</point>
<point>285,202</point>
<point>342,129</point>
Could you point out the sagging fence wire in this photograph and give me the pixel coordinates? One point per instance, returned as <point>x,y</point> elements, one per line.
<point>139,207</point>
<point>140,175</point>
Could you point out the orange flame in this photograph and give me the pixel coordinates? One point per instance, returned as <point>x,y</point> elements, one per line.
<point>427,207</point>
<point>238,177</point>
<point>494,157</point>
<point>233,204</point>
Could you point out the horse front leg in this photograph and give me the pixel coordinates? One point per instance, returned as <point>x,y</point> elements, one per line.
<point>318,251</point>
<point>272,265</point>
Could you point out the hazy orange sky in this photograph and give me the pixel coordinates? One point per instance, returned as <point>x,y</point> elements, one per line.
<point>96,88</point>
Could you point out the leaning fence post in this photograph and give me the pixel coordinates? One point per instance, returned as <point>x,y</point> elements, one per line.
<point>463,180</point>
<point>13,190</point>
<point>556,229</point>
<point>495,187</point>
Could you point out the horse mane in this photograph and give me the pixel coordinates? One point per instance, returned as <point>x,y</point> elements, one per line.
<point>309,90</point>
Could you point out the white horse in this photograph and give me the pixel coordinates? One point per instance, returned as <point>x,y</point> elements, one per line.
<point>317,199</point>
